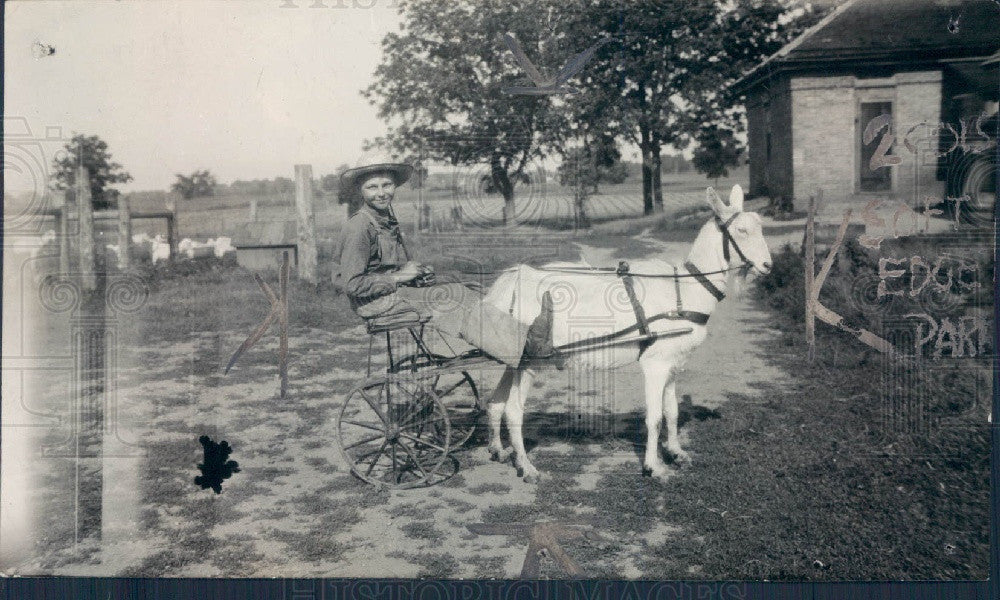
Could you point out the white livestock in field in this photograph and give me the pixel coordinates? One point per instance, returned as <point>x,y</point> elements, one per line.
<point>217,247</point>
<point>156,248</point>
<point>581,299</point>
<point>159,249</point>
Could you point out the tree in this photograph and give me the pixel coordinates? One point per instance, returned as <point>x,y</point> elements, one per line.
<point>91,152</point>
<point>717,150</point>
<point>441,86</point>
<point>198,184</point>
<point>589,165</point>
<point>675,59</point>
<point>419,175</point>
<point>487,186</point>
<point>330,182</point>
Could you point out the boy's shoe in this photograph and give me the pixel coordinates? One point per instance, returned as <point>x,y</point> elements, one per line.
<point>539,343</point>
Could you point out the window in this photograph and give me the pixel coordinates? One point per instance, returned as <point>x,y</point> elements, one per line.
<point>879,180</point>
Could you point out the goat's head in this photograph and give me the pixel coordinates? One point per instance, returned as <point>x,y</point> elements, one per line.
<point>748,246</point>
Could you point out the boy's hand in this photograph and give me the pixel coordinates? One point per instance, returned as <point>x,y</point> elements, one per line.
<point>409,272</point>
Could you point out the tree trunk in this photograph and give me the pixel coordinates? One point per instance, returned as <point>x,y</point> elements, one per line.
<point>657,186</point>
<point>647,173</point>
<point>501,180</point>
<point>582,220</point>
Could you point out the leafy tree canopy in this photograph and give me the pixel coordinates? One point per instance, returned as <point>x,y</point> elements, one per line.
<point>91,152</point>
<point>198,184</point>
<point>442,78</point>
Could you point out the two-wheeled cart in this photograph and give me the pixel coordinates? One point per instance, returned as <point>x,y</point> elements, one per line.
<point>397,428</point>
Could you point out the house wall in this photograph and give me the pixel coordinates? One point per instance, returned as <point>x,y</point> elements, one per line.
<point>822,136</point>
<point>826,134</point>
<point>769,112</point>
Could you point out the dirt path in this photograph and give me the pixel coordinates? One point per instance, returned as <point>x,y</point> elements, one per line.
<point>293,511</point>
<point>735,330</point>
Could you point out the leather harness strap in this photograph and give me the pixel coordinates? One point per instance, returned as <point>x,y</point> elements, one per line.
<point>677,290</point>
<point>640,315</point>
<point>700,278</point>
<point>727,238</point>
<point>641,322</point>
<point>699,318</point>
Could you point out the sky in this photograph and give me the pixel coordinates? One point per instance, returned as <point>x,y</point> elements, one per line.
<point>244,88</point>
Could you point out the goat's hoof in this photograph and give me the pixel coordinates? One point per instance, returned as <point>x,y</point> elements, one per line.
<point>681,457</point>
<point>532,478</point>
<point>659,471</point>
<point>499,455</point>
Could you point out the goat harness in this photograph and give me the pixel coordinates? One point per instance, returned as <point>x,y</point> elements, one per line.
<point>698,318</point>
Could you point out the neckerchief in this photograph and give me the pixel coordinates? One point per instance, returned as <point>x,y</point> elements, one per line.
<point>387,221</point>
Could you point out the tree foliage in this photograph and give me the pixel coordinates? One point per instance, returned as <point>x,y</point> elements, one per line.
<point>260,187</point>
<point>441,80</point>
<point>330,182</point>
<point>668,75</point>
<point>660,82</point>
<point>91,152</point>
<point>198,184</point>
<point>717,151</point>
<point>590,165</point>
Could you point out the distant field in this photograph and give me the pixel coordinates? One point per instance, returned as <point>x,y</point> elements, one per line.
<point>545,204</point>
<point>542,204</point>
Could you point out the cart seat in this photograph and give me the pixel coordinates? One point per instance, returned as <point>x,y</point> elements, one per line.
<point>393,322</point>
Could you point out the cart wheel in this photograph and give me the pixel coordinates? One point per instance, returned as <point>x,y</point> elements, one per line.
<point>458,391</point>
<point>394,434</point>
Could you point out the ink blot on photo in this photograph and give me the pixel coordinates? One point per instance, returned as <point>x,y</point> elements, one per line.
<point>215,467</point>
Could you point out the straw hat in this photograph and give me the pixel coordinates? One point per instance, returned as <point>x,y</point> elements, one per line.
<point>381,163</point>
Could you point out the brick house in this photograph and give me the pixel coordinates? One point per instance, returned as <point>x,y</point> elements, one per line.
<point>918,61</point>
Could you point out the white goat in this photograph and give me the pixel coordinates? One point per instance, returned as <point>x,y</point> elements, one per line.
<point>581,299</point>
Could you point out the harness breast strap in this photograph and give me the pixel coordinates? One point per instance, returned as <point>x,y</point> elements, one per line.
<point>641,322</point>
<point>700,278</point>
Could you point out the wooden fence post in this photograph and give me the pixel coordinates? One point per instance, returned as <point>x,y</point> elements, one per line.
<point>283,324</point>
<point>172,226</point>
<point>253,210</point>
<point>86,208</point>
<point>64,265</point>
<point>124,235</point>
<point>810,266</point>
<point>306,223</point>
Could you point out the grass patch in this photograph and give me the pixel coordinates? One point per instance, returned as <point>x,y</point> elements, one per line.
<point>488,567</point>
<point>422,530</point>
<point>490,488</point>
<point>810,481</point>
<point>459,505</point>
<point>312,546</point>
<point>436,565</point>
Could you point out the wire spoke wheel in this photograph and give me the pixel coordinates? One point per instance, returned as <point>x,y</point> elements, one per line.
<point>457,391</point>
<point>394,433</point>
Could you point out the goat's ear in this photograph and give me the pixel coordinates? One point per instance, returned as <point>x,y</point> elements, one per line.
<point>736,199</point>
<point>713,200</point>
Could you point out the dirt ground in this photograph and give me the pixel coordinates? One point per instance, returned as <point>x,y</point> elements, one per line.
<point>293,510</point>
